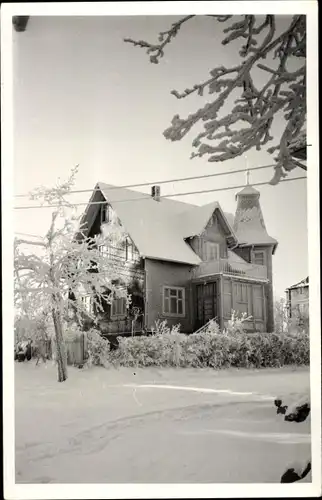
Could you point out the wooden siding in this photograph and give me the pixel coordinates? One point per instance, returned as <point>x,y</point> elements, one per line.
<point>158,275</point>
<point>213,233</point>
<point>245,297</point>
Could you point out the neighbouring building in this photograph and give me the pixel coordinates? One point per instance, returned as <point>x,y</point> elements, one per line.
<point>187,264</point>
<point>297,298</point>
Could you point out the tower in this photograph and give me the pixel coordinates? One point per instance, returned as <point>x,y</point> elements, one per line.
<point>254,243</point>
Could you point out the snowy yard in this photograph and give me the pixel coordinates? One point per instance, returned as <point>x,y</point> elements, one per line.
<point>135,425</point>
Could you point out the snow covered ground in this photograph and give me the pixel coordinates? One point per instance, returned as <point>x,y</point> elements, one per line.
<point>155,425</point>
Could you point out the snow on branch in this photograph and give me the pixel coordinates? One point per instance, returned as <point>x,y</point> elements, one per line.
<point>248,124</point>
<point>156,51</point>
<point>67,269</point>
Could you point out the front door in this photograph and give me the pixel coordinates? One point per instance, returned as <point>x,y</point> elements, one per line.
<point>206,303</point>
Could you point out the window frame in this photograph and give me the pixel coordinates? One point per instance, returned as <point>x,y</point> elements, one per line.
<point>119,315</point>
<point>211,244</point>
<point>87,303</point>
<point>254,257</point>
<point>243,301</point>
<point>177,289</point>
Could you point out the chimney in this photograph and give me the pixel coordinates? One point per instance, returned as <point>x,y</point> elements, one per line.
<point>155,193</point>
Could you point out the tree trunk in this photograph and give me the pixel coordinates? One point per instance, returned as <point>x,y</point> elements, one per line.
<point>60,347</point>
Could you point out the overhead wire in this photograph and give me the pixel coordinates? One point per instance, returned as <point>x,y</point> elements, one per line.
<point>142,184</point>
<point>226,188</point>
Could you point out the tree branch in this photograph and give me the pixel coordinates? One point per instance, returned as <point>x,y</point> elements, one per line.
<point>284,91</point>
<point>165,37</point>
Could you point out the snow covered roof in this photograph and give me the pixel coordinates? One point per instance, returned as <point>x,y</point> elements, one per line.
<point>248,190</point>
<point>300,284</point>
<point>249,225</point>
<point>159,228</point>
<point>252,236</point>
<point>154,226</point>
<point>193,221</point>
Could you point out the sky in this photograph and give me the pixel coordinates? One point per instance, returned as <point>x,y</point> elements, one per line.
<point>83,96</point>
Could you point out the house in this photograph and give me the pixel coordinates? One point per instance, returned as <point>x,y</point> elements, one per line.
<point>187,263</point>
<point>297,298</point>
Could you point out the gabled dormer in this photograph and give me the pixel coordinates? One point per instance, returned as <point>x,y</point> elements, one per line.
<point>208,232</point>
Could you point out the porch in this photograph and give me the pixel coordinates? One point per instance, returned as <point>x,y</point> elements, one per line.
<point>215,297</point>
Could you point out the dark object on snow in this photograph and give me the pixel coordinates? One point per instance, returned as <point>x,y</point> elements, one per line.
<point>21,356</point>
<point>295,413</point>
<point>280,408</point>
<point>23,351</point>
<point>28,352</point>
<point>294,474</point>
<point>298,412</point>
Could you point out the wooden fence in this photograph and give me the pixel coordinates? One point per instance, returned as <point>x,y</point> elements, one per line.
<point>76,349</point>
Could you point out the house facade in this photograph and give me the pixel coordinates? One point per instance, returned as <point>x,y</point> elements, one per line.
<point>297,298</point>
<point>184,263</point>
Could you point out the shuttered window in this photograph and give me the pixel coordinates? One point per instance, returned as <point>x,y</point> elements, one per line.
<point>118,308</point>
<point>259,258</point>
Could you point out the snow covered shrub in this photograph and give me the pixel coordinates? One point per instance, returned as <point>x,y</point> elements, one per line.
<point>162,328</point>
<point>211,348</point>
<point>296,349</point>
<point>236,324</point>
<point>137,351</point>
<point>213,327</point>
<point>98,349</point>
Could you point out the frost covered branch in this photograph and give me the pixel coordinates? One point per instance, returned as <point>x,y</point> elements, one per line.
<point>156,51</point>
<point>248,125</point>
<point>67,271</point>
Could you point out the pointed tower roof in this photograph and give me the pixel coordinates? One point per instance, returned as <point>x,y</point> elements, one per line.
<point>249,225</point>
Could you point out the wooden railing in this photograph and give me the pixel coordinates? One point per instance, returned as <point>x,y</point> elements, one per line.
<point>223,266</point>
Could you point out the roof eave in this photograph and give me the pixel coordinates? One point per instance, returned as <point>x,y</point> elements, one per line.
<point>230,231</point>
<point>175,261</point>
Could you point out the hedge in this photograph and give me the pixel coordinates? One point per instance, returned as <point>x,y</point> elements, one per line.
<point>245,350</point>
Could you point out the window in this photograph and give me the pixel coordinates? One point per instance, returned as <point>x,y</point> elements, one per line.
<point>106,214</point>
<point>301,308</point>
<point>241,292</point>
<point>102,249</point>
<point>173,301</point>
<point>118,308</point>
<point>87,303</point>
<point>259,258</point>
<point>241,297</point>
<point>258,302</point>
<point>211,250</point>
<point>130,250</point>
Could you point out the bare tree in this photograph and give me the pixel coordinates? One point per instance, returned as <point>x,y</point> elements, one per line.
<point>249,123</point>
<point>66,271</point>
<point>281,316</point>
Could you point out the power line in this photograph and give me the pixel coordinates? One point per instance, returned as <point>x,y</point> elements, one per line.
<point>29,235</point>
<point>147,197</point>
<point>128,186</point>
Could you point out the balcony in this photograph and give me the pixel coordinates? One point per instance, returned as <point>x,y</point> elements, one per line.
<point>230,267</point>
